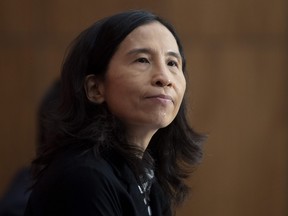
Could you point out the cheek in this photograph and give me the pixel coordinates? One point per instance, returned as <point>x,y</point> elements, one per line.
<point>118,96</point>
<point>114,96</point>
<point>181,86</point>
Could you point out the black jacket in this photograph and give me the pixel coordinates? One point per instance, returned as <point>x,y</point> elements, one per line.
<point>14,201</point>
<point>83,186</point>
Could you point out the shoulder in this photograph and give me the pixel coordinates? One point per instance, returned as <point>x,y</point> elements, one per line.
<point>72,168</point>
<point>89,172</point>
<point>160,201</point>
<point>86,182</point>
<point>81,184</point>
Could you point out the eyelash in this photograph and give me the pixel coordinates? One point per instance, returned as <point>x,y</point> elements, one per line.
<point>145,60</point>
<point>174,64</point>
<point>142,60</point>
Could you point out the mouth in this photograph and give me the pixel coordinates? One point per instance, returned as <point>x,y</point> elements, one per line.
<point>162,97</point>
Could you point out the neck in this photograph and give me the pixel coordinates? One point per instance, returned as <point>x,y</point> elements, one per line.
<point>140,138</point>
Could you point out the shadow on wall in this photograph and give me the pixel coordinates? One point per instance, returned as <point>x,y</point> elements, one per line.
<point>14,201</point>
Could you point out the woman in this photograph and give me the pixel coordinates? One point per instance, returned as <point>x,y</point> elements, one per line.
<point>120,143</point>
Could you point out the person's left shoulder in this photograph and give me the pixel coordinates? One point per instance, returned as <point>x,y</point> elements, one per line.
<point>160,201</point>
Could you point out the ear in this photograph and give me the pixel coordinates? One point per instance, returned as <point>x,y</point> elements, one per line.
<point>94,89</point>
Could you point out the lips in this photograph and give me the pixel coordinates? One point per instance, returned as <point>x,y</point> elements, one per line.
<point>161,97</point>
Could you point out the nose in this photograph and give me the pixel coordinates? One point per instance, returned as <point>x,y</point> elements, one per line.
<point>163,83</point>
<point>161,77</point>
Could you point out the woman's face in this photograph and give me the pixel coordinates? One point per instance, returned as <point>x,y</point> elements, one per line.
<point>144,84</point>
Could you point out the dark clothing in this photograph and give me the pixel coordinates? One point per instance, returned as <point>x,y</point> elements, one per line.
<point>85,185</point>
<point>14,201</point>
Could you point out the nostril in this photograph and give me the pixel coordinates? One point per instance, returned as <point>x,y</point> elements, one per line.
<point>163,83</point>
<point>169,83</point>
<point>159,83</point>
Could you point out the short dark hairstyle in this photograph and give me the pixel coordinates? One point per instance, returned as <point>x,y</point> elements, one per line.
<point>173,148</point>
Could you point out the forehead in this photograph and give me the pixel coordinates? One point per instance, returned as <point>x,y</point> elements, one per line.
<point>152,35</point>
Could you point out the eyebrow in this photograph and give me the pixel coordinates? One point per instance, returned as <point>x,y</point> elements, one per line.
<point>149,51</point>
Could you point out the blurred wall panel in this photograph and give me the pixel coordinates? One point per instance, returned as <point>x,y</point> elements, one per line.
<point>237,61</point>
<point>237,53</point>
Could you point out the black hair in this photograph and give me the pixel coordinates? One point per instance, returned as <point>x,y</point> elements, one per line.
<point>48,104</point>
<point>174,149</point>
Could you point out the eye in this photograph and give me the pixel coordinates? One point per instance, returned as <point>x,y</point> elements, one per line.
<point>142,60</point>
<point>172,63</point>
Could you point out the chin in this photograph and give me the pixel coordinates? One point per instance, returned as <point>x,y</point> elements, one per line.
<point>163,124</point>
